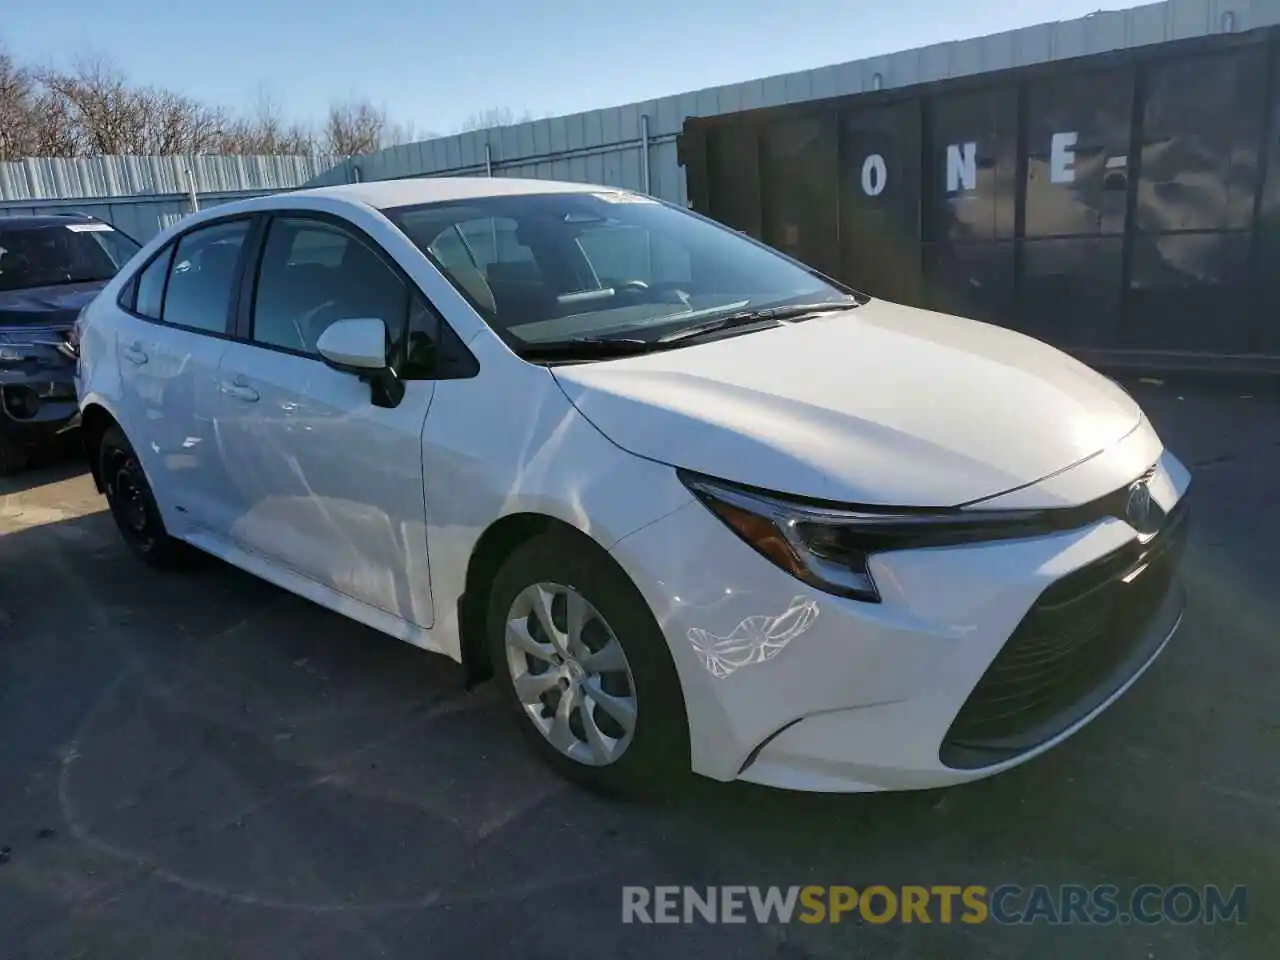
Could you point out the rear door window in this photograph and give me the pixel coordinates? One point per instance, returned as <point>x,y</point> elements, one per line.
<point>202,277</point>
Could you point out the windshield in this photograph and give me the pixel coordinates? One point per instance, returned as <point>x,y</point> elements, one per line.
<point>567,267</point>
<point>60,253</point>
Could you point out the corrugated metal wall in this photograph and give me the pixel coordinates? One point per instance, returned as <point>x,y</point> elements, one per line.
<point>605,146</point>
<point>140,217</point>
<point>143,195</point>
<point>79,178</point>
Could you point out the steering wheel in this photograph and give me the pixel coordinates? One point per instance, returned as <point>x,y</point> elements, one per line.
<point>631,286</point>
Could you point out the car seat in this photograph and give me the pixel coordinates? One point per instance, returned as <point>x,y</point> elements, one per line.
<point>519,292</point>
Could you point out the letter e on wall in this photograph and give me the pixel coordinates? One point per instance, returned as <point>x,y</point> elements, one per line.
<point>1062,157</point>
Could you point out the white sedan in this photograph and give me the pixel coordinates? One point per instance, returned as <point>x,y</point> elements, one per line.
<point>692,504</point>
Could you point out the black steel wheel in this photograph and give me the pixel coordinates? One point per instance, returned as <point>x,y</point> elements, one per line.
<point>133,507</point>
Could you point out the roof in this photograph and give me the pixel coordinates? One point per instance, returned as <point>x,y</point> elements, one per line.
<point>399,193</point>
<point>28,220</point>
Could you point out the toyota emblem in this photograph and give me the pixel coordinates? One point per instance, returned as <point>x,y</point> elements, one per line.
<point>1140,511</point>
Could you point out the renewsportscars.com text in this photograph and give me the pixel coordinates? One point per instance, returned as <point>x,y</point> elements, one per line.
<point>972,904</point>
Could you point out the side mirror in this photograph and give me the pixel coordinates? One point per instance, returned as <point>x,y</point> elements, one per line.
<point>354,344</point>
<point>359,346</point>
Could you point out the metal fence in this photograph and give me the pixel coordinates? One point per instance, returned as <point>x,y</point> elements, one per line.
<point>140,217</point>
<point>143,195</point>
<point>79,178</point>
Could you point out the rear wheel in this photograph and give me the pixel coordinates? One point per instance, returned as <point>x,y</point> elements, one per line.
<point>133,506</point>
<point>585,668</point>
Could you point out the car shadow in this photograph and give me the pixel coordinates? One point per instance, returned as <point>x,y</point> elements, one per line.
<point>45,467</point>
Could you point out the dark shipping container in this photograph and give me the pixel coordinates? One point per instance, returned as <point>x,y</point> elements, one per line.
<point>1124,206</point>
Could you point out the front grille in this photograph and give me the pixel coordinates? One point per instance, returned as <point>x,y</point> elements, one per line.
<point>1083,638</point>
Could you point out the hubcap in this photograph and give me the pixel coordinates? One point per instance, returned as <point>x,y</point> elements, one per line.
<point>571,674</point>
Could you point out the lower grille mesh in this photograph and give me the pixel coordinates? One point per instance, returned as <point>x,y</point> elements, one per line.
<point>1064,656</point>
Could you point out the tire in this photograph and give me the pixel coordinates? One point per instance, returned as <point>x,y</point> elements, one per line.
<point>653,756</point>
<point>133,506</point>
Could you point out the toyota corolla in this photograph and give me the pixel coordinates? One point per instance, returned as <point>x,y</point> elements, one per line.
<point>691,504</point>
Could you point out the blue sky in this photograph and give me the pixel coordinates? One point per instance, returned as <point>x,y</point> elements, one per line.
<point>435,63</point>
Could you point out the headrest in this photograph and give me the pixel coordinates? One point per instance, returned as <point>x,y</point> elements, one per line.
<point>477,288</point>
<point>219,257</point>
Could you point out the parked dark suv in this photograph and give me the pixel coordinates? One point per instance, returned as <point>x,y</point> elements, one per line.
<point>50,268</point>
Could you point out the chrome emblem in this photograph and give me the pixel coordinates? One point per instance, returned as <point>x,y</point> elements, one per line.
<point>1141,512</point>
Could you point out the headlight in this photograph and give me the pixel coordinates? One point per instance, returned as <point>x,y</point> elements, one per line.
<point>829,547</point>
<point>71,347</point>
<point>14,354</point>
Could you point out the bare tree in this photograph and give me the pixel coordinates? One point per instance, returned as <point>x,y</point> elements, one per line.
<point>265,131</point>
<point>102,109</point>
<point>102,113</point>
<point>493,117</point>
<point>178,124</point>
<point>404,132</point>
<point>93,108</point>
<point>54,127</point>
<point>17,104</point>
<point>354,127</point>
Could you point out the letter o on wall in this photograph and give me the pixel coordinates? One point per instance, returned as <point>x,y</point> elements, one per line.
<point>875,175</point>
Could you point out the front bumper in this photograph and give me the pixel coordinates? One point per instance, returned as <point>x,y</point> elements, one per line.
<point>791,687</point>
<point>39,401</point>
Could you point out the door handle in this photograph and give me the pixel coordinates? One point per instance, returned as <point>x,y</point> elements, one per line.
<point>240,391</point>
<point>135,354</point>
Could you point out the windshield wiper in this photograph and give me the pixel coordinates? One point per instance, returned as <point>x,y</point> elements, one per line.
<point>70,279</point>
<point>744,317</point>
<point>576,347</point>
<point>56,280</point>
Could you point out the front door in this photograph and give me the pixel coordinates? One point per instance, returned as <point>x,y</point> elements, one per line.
<point>323,482</point>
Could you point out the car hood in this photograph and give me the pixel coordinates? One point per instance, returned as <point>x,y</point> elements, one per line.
<point>47,306</point>
<point>879,405</point>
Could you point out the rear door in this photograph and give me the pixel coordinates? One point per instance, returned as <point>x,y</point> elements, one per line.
<point>172,334</point>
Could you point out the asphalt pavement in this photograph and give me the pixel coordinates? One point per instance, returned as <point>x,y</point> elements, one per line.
<point>201,765</point>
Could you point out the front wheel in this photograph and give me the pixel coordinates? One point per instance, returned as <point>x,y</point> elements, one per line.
<point>586,669</point>
<point>133,506</point>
